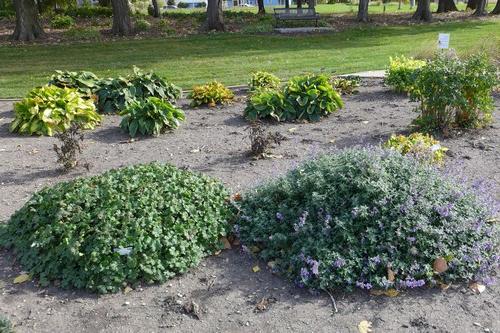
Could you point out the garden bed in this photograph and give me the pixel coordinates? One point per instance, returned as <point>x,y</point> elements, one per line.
<point>214,141</point>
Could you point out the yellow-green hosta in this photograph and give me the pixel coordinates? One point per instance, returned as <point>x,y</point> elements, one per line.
<point>49,109</point>
<point>422,146</point>
<point>399,74</point>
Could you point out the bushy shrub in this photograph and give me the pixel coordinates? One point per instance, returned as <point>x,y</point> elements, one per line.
<point>144,223</point>
<point>142,25</point>
<point>182,5</point>
<point>51,109</point>
<point>263,80</point>
<point>345,85</point>
<point>306,97</point>
<point>454,92</point>
<point>400,73</point>
<point>370,218</point>
<point>61,22</point>
<point>151,116</point>
<point>81,33</point>
<point>5,325</point>
<point>89,11</point>
<point>210,94</point>
<point>422,147</point>
<point>86,83</point>
<point>115,94</point>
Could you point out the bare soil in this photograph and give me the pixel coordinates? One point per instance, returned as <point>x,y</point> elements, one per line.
<point>223,294</point>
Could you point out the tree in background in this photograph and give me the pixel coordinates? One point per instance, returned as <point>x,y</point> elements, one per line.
<point>445,6</point>
<point>496,10</point>
<point>363,10</point>
<point>156,8</point>
<point>122,24</point>
<point>423,12</point>
<point>215,19</point>
<point>27,27</point>
<point>481,8</point>
<point>262,9</point>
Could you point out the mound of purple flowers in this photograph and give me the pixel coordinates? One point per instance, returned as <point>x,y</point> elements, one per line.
<point>371,218</point>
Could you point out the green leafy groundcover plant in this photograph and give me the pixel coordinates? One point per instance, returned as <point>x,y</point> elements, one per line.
<point>144,223</point>
<point>86,83</point>
<point>5,325</point>
<point>306,97</point>
<point>400,74</point>
<point>51,109</point>
<point>371,218</point>
<point>265,80</point>
<point>152,116</point>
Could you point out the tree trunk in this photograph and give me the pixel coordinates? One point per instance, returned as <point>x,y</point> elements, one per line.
<point>423,12</point>
<point>215,20</point>
<point>27,26</point>
<point>496,10</point>
<point>363,11</point>
<point>445,6</point>
<point>262,9</point>
<point>156,8</point>
<point>481,8</point>
<point>299,3</point>
<point>287,4</point>
<point>472,4</point>
<point>121,18</point>
<point>311,3</point>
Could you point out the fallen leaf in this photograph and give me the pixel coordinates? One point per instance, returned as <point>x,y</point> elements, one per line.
<point>127,290</point>
<point>254,249</point>
<point>477,287</point>
<point>293,129</point>
<point>22,278</point>
<point>365,326</point>
<point>264,304</point>
<point>236,242</point>
<point>256,268</point>
<point>390,275</point>
<point>216,253</point>
<point>225,242</point>
<point>440,265</point>
<point>237,197</point>
<point>271,264</point>
<point>444,286</point>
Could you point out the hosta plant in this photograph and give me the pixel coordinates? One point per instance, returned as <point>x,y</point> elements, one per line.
<point>345,85</point>
<point>210,94</point>
<point>85,83</point>
<point>454,92</point>
<point>400,74</point>
<point>61,22</point>
<point>266,103</point>
<point>139,224</point>
<point>50,109</point>
<point>152,116</point>
<point>371,218</point>
<point>417,145</point>
<point>263,80</point>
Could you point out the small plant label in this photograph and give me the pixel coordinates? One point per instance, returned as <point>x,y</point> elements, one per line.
<point>123,251</point>
<point>443,41</point>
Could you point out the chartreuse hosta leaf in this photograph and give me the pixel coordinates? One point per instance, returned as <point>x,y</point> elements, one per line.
<point>50,109</point>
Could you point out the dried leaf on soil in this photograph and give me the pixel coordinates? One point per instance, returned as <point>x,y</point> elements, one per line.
<point>264,304</point>
<point>477,287</point>
<point>365,326</point>
<point>256,268</point>
<point>225,242</point>
<point>22,278</point>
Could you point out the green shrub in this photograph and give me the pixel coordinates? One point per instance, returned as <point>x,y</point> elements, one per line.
<point>152,116</point>
<point>210,94</point>
<point>61,22</point>
<point>86,83</point>
<point>371,218</point>
<point>51,109</point>
<point>115,94</point>
<point>417,145</point>
<point>7,13</point>
<point>87,34</point>
<point>345,85</point>
<point>142,25</point>
<point>140,224</point>
<point>89,11</point>
<point>5,325</point>
<point>265,80</point>
<point>182,5</point>
<point>454,93</point>
<point>400,73</point>
<point>267,103</point>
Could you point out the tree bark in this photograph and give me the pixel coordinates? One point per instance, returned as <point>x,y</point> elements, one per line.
<point>481,8</point>
<point>215,19</point>
<point>28,27</point>
<point>445,6</point>
<point>262,9</point>
<point>423,12</point>
<point>121,18</point>
<point>299,3</point>
<point>287,4</point>
<point>311,3</point>
<point>363,11</point>
<point>496,10</point>
<point>472,4</point>
<point>156,8</point>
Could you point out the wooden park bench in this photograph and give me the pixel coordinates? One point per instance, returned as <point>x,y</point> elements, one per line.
<point>284,14</point>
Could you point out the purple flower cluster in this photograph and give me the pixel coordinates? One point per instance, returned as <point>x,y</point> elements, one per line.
<point>304,274</point>
<point>374,260</point>
<point>338,263</point>
<point>302,221</point>
<point>314,265</point>
<point>280,217</point>
<point>364,285</point>
<point>411,283</point>
<point>445,210</point>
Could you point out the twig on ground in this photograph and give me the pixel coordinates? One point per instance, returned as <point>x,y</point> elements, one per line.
<point>334,304</point>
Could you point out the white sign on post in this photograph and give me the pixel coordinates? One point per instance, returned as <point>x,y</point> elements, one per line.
<point>443,41</point>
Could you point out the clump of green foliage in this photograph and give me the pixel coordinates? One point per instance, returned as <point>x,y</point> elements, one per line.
<point>345,85</point>
<point>116,94</point>
<point>5,325</point>
<point>139,224</point>
<point>151,116</point>
<point>86,83</point>
<point>210,94</point>
<point>400,74</point>
<point>142,25</point>
<point>307,97</point>
<point>454,92</point>
<point>50,109</point>
<point>263,80</point>
<point>61,22</point>
<point>83,33</point>
<point>417,145</point>
<point>89,11</point>
<point>371,218</point>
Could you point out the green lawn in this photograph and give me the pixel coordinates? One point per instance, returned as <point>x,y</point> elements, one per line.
<point>231,57</point>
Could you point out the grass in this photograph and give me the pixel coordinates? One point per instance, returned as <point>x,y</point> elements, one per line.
<point>230,58</point>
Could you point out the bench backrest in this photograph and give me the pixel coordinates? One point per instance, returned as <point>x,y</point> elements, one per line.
<point>295,11</point>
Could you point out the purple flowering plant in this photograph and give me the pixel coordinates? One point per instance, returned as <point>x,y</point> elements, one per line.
<point>346,218</point>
